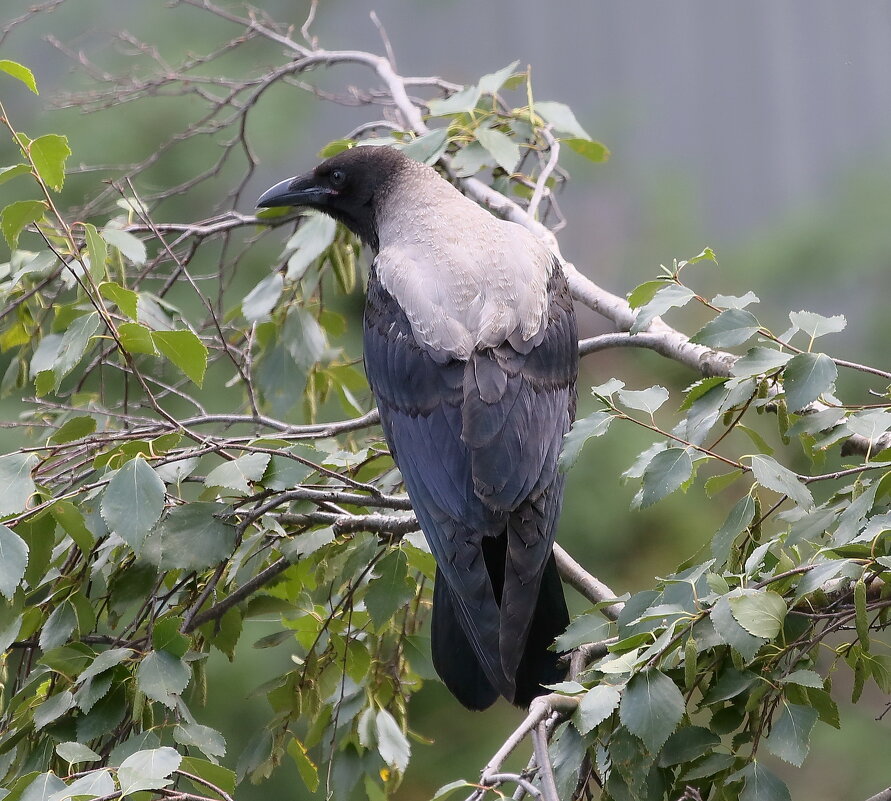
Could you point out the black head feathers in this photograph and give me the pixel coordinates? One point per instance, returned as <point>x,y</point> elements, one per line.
<point>347,186</point>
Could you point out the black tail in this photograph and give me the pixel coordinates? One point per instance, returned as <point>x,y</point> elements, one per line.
<point>539,665</point>
<point>460,670</point>
<point>453,655</point>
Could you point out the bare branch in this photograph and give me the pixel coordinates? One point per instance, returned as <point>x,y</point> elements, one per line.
<point>591,587</point>
<point>542,758</point>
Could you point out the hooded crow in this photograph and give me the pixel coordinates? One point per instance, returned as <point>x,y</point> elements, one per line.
<point>471,350</point>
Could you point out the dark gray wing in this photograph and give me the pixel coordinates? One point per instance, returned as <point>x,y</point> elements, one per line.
<point>477,444</point>
<point>517,408</point>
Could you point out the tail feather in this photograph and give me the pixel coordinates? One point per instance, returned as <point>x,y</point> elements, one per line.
<point>539,664</point>
<point>460,669</point>
<point>453,656</point>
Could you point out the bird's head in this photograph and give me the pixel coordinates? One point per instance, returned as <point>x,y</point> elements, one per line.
<point>347,186</point>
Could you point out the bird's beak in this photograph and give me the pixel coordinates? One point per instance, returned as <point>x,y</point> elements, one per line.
<point>300,191</point>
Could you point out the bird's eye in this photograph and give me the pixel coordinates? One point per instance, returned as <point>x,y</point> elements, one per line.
<point>337,177</point>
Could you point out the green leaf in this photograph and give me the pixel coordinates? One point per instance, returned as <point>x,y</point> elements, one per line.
<point>105,661</point>
<point>44,787</point>
<point>185,350</point>
<point>594,425</point>
<point>390,590</point>
<point>667,297</point>
<point>13,561</point>
<point>74,343</point>
<point>584,629</point>
<point>730,684</point>
<point>791,733</point>
<point>596,706</point>
<point>759,360</point>
<point>148,770</point>
<point>458,103</point>
<point>284,473</point>
<point>392,744</point>
<point>817,577</point>
<point>312,239</point>
<point>129,246</point>
<point>166,636</point>
<point>217,775</point>
<point>815,325</point>
<point>427,148</point>
<point>15,478</point>
<point>717,484</point>
<point>757,440</point>
<point>760,784</point>
<point>281,381</point>
<point>73,429</point>
<point>651,707</point>
<point>125,299</point>
<point>734,301</point>
<point>304,338</point>
<point>92,784</point>
<point>561,117</point>
<point>709,766</point>
<point>667,471</point>
<point>74,752</point>
<point>470,159</point>
<point>13,171</point>
<point>567,752</point>
<point>740,517</point>
<point>53,708</point>
<point>700,389</point>
<point>731,632</point>
<point>591,150</point>
<point>19,71</point>
<point>769,473</point>
<point>731,327</point>
<point>261,300</point>
<point>870,423</point>
<point>162,677</point>
<point>644,293</point>
<point>491,83</point>
<point>207,740</point>
<point>504,150</point>
<point>759,612</point>
<point>687,744</point>
<point>17,215</point>
<point>307,769</point>
<point>97,250</point>
<point>644,400</point>
<point>706,254</point>
<point>308,543</point>
<point>49,154</point>
<point>151,313</point>
<point>136,338</point>
<point>237,474</point>
<point>804,678</point>
<point>333,148</point>
<point>91,691</point>
<point>190,537</point>
<point>806,377</point>
<point>133,501</point>
<point>447,789</point>
<point>58,627</point>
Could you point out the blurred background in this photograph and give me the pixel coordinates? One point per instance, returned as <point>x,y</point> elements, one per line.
<point>761,129</point>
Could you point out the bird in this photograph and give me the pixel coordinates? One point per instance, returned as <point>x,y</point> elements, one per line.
<point>471,352</point>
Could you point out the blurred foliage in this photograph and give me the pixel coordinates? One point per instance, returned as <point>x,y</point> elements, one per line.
<point>148,529</point>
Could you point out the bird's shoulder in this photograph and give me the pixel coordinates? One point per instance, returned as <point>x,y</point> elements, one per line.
<point>467,283</point>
